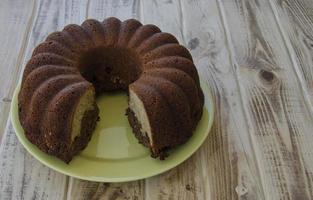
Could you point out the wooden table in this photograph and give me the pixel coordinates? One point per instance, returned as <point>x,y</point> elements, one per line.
<point>256,56</point>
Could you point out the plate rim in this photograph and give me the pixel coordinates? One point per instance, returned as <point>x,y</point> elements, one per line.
<point>208,102</point>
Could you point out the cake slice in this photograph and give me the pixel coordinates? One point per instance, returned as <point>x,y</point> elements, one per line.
<point>70,120</point>
<point>155,122</point>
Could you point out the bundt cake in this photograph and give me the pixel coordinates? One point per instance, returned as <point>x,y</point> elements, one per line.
<point>57,99</point>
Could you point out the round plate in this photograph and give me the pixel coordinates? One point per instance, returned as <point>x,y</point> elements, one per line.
<point>114,154</point>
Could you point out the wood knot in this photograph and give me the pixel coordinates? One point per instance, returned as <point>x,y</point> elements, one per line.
<point>267,75</point>
<point>193,43</point>
<point>188,187</point>
<point>241,190</point>
<point>268,80</point>
<point>7,100</point>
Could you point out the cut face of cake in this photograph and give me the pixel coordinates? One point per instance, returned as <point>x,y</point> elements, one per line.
<point>138,118</point>
<point>84,106</point>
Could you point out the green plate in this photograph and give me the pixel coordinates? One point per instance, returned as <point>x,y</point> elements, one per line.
<point>114,154</point>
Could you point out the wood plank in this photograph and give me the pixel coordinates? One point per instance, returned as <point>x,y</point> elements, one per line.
<point>16,18</point>
<point>224,167</point>
<point>280,121</point>
<point>295,20</point>
<point>100,9</point>
<point>21,175</point>
<point>79,189</point>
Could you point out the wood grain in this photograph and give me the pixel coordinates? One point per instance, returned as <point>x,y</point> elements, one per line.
<point>100,9</point>
<point>14,32</point>
<point>295,19</point>
<point>21,175</point>
<point>274,104</point>
<point>81,190</point>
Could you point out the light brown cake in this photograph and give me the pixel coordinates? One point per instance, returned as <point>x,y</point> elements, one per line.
<point>57,100</point>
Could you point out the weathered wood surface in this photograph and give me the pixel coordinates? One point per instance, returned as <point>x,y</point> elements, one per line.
<point>295,19</point>
<point>14,30</point>
<point>21,176</point>
<point>256,56</point>
<point>273,99</point>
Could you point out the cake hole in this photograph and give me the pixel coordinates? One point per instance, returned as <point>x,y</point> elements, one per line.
<point>99,65</point>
